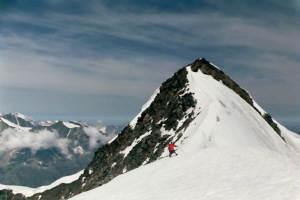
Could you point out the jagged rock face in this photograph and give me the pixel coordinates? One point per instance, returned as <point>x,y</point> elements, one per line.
<point>8,195</point>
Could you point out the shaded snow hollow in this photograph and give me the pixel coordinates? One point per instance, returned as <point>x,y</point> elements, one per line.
<point>227,152</point>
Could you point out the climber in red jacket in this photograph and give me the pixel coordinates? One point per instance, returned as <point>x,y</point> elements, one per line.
<point>171,148</point>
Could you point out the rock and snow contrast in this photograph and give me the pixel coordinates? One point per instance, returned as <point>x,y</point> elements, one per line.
<point>229,148</point>
<point>48,149</point>
<point>227,152</point>
<point>15,120</point>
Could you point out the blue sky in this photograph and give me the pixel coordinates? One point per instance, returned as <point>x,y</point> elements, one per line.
<point>101,60</point>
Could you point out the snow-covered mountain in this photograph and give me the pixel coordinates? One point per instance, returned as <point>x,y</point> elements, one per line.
<point>50,149</point>
<point>228,146</point>
<point>15,120</point>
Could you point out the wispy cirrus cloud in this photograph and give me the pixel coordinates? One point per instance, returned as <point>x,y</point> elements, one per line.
<point>130,49</point>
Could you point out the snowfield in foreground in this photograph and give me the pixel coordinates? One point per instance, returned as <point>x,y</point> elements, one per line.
<point>209,174</point>
<point>228,152</point>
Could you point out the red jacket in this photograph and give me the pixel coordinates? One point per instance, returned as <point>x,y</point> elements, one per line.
<point>171,147</point>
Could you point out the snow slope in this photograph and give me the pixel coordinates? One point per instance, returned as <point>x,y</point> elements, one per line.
<point>227,152</point>
<point>27,191</point>
<point>70,125</point>
<point>211,174</point>
<point>13,125</point>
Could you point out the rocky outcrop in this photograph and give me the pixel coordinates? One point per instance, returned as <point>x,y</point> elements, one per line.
<point>8,195</point>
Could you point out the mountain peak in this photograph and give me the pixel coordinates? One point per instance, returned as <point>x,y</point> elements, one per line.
<point>199,107</point>
<point>16,120</point>
<point>18,115</point>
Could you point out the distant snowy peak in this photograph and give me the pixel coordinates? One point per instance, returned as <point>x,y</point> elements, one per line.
<point>19,115</point>
<point>17,120</point>
<point>10,124</point>
<point>70,125</point>
<point>16,115</point>
<point>47,123</point>
<point>67,124</point>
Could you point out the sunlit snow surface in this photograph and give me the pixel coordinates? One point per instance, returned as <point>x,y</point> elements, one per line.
<point>210,174</point>
<point>227,152</point>
<point>70,125</point>
<point>18,127</point>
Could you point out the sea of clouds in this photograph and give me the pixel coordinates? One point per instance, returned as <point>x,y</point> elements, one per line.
<point>11,139</point>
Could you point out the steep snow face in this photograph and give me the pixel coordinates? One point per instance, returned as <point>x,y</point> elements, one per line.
<point>228,151</point>
<point>224,119</point>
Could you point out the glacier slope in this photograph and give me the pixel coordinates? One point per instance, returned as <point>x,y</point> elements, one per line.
<point>210,174</point>
<point>227,152</point>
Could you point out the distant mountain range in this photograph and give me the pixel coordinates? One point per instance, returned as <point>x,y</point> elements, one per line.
<point>50,149</point>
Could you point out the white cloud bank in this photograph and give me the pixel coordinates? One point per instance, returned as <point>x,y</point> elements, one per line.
<point>11,139</point>
<point>96,137</point>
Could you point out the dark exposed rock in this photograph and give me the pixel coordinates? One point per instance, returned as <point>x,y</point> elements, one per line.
<point>270,121</point>
<point>8,195</point>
